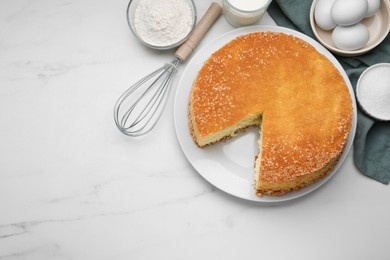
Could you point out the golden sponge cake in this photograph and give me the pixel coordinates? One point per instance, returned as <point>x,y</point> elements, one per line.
<point>283,85</point>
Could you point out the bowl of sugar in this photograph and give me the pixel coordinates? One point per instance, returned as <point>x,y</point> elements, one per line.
<point>373,91</point>
<point>162,24</point>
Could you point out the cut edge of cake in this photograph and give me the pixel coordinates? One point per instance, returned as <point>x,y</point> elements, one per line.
<point>280,188</point>
<point>263,184</point>
<point>261,187</point>
<point>224,134</point>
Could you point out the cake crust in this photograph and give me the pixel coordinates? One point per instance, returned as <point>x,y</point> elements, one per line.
<point>295,93</point>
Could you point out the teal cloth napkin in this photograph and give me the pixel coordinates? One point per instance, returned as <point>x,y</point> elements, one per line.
<point>371,147</point>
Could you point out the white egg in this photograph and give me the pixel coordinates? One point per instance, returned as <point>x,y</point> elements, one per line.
<point>322,14</point>
<point>373,6</point>
<point>351,37</point>
<point>348,12</point>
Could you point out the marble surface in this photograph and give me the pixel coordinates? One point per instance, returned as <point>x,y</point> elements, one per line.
<point>73,187</point>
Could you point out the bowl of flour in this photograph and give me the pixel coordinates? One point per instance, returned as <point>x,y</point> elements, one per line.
<point>162,24</point>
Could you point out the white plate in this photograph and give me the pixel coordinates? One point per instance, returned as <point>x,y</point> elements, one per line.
<point>229,165</point>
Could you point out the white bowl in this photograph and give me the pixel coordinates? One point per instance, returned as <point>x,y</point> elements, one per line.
<point>130,13</point>
<point>378,26</point>
<point>373,91</point>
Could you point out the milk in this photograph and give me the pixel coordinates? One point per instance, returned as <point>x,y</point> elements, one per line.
<point>244,12</point>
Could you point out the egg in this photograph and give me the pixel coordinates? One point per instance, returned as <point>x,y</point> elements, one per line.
<point>351,37</point>
<point>373,6</point>
<point>322,14</point>
<point>348,12</point>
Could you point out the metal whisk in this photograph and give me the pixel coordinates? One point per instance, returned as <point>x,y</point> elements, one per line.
<point>138,109</point>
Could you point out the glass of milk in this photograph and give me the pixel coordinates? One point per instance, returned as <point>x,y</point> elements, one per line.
<point>244,12</point>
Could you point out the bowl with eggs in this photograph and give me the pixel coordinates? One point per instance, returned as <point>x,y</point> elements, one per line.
<point>350,27</point>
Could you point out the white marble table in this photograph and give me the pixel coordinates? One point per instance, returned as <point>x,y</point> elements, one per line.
<point>73,187</point>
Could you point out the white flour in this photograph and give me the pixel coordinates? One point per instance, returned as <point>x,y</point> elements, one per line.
<point>163,22</point>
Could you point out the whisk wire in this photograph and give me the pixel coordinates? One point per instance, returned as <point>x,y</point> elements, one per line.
<point>127,93</point>
<point>156,95</point>
<point>156,105</point>
<point>139,109</point>
<point>147,108</point>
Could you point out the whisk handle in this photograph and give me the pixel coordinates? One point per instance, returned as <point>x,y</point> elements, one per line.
<point>200,30</point>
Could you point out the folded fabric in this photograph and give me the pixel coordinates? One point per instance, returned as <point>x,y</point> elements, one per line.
<point>371,147</point>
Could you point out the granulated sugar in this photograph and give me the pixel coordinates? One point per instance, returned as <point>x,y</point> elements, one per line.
<point>373,91</point>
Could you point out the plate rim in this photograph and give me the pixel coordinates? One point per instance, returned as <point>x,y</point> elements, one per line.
<point>223,39</point>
